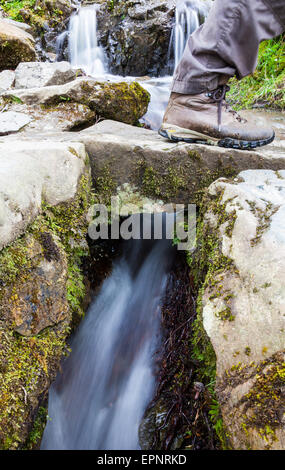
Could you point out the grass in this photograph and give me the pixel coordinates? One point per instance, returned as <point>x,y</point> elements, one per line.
<point>13,7</point>
<point>266,87</point>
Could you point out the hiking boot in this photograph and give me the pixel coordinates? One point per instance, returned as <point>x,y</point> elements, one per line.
<point>207,119</point>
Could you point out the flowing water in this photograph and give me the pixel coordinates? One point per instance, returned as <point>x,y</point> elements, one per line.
<point>85,52</point>
<point>186,22</point>
<point>108,380</point>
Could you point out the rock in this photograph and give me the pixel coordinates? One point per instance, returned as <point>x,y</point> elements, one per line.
<point>32,172</point>
<point>243,304</point>
<point>7,79</point>
<point>41,282</point>
<point>48,19</point>
<point>160,169</point>
<point>41,74</point>
<point>120,101</point>
<point>11,122</point>
<point>136,35</point>
<point>18,24</point>
<point>40,301</point>
<point>65,7</point>
<point>16,46</point>
<point>64,116</point>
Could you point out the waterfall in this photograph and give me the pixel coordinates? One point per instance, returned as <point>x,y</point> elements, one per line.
<point>84,51</point>
<point>108,380</point>
<point>186,22</point>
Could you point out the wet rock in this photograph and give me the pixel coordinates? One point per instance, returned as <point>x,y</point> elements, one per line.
<point>16,46</point>
<point>12,121</point>
<point>7,79</point>
<point>136,35</point>
<point>30,172</point>
<point>243,304</point>
<point>41,74</point>
<point>153,422</point>
<point>120,101</point>
<point>40,301</point>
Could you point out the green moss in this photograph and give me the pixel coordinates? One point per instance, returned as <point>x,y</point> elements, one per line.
<point>35,436</point>
<point>267,84</point>
<point>266,399</point>
<point>264,217</point>
<point>35,13</point>
<point>105,185</point>
<point>27,365</point>
<point>67,221</point>
<point>208,267</point>
<point>165,185</point>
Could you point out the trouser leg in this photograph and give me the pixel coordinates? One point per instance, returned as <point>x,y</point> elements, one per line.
<point>226,45</point>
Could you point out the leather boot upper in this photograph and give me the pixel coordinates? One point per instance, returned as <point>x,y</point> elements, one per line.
<point>202,113</point>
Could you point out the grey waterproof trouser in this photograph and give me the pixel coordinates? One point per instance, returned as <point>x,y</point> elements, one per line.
<point>226,45</point>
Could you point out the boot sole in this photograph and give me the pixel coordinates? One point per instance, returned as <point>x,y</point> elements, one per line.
<point>178,134</point>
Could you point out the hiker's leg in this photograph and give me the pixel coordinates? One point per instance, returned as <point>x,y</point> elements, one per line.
<point>227,43</point>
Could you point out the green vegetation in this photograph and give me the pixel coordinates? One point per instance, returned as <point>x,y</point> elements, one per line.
<point>14,7</point>
<point>267,85</point>
<point>35,12</point>
<point>208,267</point>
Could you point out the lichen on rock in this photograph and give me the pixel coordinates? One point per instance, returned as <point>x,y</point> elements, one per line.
<point>240,303</point>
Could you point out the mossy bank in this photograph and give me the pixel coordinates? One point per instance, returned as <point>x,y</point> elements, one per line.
<point>42,296</point>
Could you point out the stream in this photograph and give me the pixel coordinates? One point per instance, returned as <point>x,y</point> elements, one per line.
<point>107,382</point>
<point>99,399</point>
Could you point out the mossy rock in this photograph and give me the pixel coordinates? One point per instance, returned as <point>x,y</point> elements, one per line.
<point>40,272</point>
<point>15,46</point>
<point>119,101</point>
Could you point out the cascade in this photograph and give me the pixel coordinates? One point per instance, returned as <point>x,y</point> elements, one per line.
<point>99,399</point>
<point>84,51</point>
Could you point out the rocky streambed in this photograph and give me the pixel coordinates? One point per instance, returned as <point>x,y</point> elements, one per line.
<point>68,141</point>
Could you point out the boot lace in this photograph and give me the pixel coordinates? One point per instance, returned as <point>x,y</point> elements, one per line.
<point>218,96</point>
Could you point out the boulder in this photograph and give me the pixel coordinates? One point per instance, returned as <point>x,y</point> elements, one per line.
<point>64,7</point>
<point>16,46</point>
<point>65,116</point>
<point>7,79</point>
<point>136,35</point>
<point>24,26</point>
<point>29,174</point>
<point>122,101</point>
<point>41,74</point>
<point>243,304</point>
<point>161,169</point>
<point>12,121</point>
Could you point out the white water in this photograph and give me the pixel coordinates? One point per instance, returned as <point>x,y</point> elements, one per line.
<point>85,53</point>
<point>107,381</point>
<point>186,22</point>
